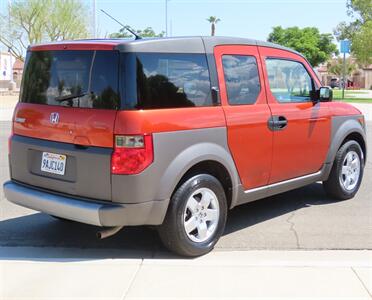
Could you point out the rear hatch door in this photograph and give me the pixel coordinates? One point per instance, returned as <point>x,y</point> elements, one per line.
<point>63,126</point>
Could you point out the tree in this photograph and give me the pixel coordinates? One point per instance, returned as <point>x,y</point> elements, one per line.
<point>147,32</point>
<point>35,21</point>
<point>316,47</point>
<point>359,30</point>
<point>362,44</point>
<point>213,21</point>
<point>336,67</point>
<point>67,20</point>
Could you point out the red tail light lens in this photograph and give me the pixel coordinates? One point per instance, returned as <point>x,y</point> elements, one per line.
<point>132,154</point>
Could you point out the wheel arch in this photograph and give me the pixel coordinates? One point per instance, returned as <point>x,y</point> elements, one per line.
<point>356,136</point>
<point>215,169</point>
<point>206,158</point>
<point>344,129</point>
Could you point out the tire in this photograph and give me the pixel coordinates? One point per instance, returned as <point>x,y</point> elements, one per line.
<point>336,185</point>
<point>190,205</point>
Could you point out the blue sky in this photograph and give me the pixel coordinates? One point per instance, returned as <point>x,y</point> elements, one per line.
<point>243,18</point>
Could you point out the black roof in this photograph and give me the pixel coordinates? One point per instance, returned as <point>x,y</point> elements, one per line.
<point>192,44</point>
<point>187,44</point>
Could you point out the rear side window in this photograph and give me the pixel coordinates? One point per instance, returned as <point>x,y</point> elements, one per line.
<point>172,80</point>
<point>85,79</point>
<point>289,80</point>
<point>241,79</point>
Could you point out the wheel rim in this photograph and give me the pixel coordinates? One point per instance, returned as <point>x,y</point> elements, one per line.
<point>201,215</point>
<point>350,171</point>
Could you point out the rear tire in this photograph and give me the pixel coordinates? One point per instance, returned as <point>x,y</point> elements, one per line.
<point>196,216</point>
<point>347,172</point>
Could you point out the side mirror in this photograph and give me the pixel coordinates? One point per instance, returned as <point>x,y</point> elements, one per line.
<point>325,94</point>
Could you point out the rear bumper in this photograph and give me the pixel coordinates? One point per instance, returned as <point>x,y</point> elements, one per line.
<point>87,211</point>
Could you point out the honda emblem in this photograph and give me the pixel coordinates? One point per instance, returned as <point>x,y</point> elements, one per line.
<point>54,118</point>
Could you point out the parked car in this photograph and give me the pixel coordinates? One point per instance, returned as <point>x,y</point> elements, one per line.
<point>174,132</point>
<point>334,83</point>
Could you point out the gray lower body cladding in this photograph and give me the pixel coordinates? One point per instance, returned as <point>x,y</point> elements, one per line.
<point>135,199</point>
<point>87,168</point>
<point>342,126</point>
<point>174,154</point>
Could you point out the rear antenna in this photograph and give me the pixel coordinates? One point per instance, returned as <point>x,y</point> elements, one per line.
<point>137,37</point>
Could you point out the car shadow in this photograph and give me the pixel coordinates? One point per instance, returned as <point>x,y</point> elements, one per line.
<point>259,211</point>
<point>42,237</point>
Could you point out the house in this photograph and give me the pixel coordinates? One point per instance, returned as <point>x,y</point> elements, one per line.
<point>6,63</point>
<point>360,78</point>
<point>18,71</point>
<point>367,73</point>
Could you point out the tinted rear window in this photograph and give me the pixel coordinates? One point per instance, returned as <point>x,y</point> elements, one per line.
<point>86,79</point>
<point>241,77</point>
<point>172,80</point>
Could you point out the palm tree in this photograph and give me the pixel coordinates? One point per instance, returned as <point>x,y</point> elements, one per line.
<point>213,20</point>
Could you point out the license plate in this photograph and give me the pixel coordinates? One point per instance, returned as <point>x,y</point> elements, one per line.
<point>53,163</point>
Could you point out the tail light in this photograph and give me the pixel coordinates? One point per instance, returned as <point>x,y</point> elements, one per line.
<point>132,154</point>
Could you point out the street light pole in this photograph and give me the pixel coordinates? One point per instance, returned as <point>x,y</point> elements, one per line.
<point>12,84</point>
<point>94,19</point>
<point>345,48</point>
<point>343,76</point>
<point>166,17</point>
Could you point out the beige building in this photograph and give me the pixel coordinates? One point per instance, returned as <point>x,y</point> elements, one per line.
<point>367,73</point>
<point>18,71</point>
<point>361,78</point>
<point>7,61</point>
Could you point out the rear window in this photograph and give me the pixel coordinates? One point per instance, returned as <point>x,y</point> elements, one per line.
<point>241,77</point>
<point>172,80</point>
<point>86,79</point>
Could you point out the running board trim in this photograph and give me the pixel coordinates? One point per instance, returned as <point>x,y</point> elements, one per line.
<point>281,183</point>
<point>250,195</point>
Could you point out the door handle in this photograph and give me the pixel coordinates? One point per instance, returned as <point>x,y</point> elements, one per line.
<point>276,123</point>
<point>282,122</point>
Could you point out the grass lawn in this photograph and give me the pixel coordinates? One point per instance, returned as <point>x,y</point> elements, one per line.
<point>354,100</point>
<point>351,92</point>
<point>352,96</point>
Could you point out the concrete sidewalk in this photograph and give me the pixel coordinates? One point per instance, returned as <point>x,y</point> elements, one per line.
<point>55,273</point>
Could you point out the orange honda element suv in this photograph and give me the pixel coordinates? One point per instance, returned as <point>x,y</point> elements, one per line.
<point>174,132</point>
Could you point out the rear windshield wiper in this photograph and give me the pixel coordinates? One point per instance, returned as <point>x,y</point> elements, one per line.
<point>69,97</point>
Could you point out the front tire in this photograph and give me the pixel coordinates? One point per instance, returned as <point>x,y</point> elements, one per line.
<point>196,216</point>
<point>347,172</point>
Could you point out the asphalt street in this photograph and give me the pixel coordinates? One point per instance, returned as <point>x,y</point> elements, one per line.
<point>301,219</point>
